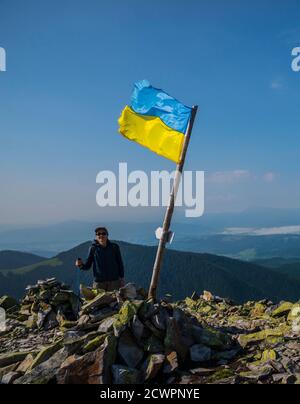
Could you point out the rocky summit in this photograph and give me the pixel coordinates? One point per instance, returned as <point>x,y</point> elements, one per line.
<point>53,336</point>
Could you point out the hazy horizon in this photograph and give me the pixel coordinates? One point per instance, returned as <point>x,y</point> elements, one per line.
<point>157,216</point>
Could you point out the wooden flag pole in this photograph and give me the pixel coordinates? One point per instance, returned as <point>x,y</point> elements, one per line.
<point>169,213</point>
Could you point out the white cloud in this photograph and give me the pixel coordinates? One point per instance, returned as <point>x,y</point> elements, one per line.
<point>264,231</point>
<point>236,231</point>
<point>269,176</point>
<point>226,177</point>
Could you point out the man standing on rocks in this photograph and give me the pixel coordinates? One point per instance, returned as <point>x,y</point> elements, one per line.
<point>106,259</point>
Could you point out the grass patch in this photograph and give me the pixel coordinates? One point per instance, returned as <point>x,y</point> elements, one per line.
<point>53,262</point>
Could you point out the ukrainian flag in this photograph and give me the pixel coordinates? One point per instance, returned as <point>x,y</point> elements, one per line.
<point>155,120</point>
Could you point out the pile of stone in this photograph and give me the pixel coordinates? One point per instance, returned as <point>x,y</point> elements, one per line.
<point>268,335</point>
<point>48,304</point>
<point>122,338</point>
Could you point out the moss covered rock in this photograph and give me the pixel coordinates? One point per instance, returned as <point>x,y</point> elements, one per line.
<point>95,343</point>
<point>46,353</point>
<point>11,358</point>
<point>221,374</point>
<point>211,337</point>
<point>282,310</point>
<point>270,336</point>
<point>269,355</point>
<point>258,310</point>
<point>126,315</point>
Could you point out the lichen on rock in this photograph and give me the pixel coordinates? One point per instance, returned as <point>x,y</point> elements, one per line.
<point>120,337</point>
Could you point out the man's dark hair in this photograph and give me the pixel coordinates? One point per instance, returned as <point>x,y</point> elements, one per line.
<point>99,229</point>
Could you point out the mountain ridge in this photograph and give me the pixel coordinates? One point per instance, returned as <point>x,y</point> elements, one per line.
<point>12,259</point>
<point>182,274</point>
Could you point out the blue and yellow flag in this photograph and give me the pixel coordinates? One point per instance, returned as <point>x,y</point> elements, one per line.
<point>155,120</point>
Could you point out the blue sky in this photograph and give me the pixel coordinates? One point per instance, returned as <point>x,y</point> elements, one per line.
<point>70,70</point>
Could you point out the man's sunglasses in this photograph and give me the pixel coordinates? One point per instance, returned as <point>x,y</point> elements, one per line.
<point>102,234</point>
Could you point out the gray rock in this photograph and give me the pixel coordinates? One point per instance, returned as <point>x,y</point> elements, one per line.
<point>154,345</point>
<point>83,320</point>
<point>174,341</point>
<point>50,321</point>
<point>277,366</point>
<point>42,315</point>
<point>128,292</point>
<point>202,371</point>
<point>154,364</point>
<point>125,375</point>
<point>171,362</point>
<point>225,355</point>
<point>46,371</point>
<point>102,314</point>
<point>284,378</point>
<point>8,359</point>
<point>101,300</point>
<point>153,330</point>
<point>159,320</point>
<point>211,338</point>
<point>290,366</point>
<point>181,319</point>
<point>130,352</point>
<point>91,368</point>
<point>258,374</point>
<point>289,379</point>
<point>10,377</point>
<point>137,328</point>
<point>200,353</point>
<point>277,378</point>
<point>107,325</point>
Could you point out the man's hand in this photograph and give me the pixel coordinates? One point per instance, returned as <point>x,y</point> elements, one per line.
<point>79,263</point>
<point>122,282</point>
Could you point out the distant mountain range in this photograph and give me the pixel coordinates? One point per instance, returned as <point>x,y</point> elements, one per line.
<point>247,248</point>
<point>249,235</point>
<point>182,274</point>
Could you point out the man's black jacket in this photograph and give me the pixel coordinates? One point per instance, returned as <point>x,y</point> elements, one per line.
<point>107,262</point>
